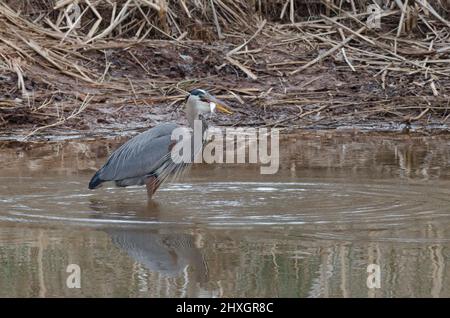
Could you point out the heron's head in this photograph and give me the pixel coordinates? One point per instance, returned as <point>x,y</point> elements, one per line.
<point>202,102</point>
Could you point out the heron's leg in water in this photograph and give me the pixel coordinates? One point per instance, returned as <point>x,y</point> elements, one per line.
<point>152,184</point>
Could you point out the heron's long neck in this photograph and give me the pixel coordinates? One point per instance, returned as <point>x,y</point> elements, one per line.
<point>191,114</point>
<point>192,117</point>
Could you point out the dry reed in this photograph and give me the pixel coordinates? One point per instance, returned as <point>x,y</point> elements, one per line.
<point>65,57</point>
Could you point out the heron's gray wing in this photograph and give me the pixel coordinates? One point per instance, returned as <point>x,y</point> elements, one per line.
<point>140,155</point>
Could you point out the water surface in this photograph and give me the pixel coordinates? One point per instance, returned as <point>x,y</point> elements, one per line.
<point>338,204</point>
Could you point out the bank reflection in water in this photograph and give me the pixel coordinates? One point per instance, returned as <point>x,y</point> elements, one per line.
<point>130,262</point>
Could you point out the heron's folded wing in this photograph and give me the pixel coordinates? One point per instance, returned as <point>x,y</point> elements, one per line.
<point>140,155</point>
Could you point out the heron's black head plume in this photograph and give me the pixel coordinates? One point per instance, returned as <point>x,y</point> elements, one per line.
<point>198,92</point>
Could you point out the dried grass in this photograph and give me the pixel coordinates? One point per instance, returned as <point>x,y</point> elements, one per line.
<point>58,52</point>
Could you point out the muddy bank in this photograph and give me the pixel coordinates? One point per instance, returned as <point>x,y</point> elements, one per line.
<point>343,153</point>
<point>326,96</point>
<point>275,73</point>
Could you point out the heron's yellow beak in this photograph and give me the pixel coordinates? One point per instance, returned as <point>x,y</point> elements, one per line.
<point>219,105</point>
<point>223,109</point>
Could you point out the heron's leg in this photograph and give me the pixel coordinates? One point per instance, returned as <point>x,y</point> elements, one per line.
<point>152,184</point>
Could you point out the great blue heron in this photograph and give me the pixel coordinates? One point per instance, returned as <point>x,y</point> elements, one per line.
<point>146,159</point>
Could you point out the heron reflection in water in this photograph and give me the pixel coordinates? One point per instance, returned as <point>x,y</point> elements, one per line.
<point>146,158</point>
<point>166,252</point>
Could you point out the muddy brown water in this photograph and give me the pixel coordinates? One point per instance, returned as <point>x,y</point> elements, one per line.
<point>338,203</point>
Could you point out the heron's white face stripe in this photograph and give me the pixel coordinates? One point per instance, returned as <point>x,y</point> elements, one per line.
<point>212,106</point>
<point>201,106</point>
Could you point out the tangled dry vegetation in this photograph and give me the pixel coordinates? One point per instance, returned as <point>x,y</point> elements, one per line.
<point>286,63</point>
